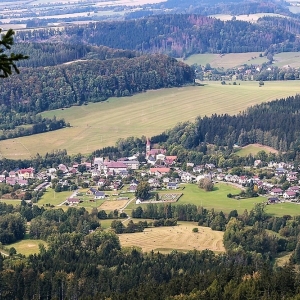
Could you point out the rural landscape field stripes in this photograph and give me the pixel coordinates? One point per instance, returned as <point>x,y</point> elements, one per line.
<point>97,125</point>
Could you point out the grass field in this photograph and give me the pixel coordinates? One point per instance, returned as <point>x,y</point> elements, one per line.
<point>226,61</point>
<point>101,124</point>
<point>232,60</point>
<point>218,200</point>
<point>53,198</point>
<point>27,246</point>
<point>181,237</point>
<point>8,201</point>
<point>254,149</point>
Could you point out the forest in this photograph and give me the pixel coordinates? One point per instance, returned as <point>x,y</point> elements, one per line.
<point>275,124</point>
<point>82,261</point>
<point>39,89</point>
<point>178,35</point>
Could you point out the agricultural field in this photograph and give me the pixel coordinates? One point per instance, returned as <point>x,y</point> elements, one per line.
<point>248,18</point>
<point>53,198</point>
<point>110,205</point>
<point>254,149</point>
<point>181,237</point>
<point>97,125</point>
<point>226,61</point>
<point>27,246</point>
<point>232,60</point>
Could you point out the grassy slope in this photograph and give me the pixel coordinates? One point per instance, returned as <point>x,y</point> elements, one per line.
<point>254,149</point>
<point>227,61</point>
<point>237,59</point>
<point>102,124</point>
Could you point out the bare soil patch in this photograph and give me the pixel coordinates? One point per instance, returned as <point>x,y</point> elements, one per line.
<point>110,205</point>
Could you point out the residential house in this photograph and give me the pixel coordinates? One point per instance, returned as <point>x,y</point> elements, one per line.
<point>289,195</point>
<point>170,160</point>
<point>159,171</point>
<point>198,169</point>
<point>132,188</point>
<point>91,191</point>
<point>273,200</point>
<point>72,201</point>
<point>2,178</point>
<point>26,173</point>
<point>172,186</point>
<point>99,195</point>
<point>276,192</point>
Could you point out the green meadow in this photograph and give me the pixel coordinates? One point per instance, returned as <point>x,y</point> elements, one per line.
<point>253,149</point>
<point>97,125</point>
<point>27,246</point>
<point>218,200</point>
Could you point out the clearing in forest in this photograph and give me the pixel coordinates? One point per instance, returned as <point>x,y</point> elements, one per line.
<point>27,246</point>
<point>181,238</point>
<point>254,149</point>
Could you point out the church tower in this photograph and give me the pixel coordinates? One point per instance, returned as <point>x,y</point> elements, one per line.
<point>148,146</point>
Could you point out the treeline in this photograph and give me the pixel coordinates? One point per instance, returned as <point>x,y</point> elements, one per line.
<point>246,231</point>
<point>40,89</point>
<point>179,35</point>
<point>58,221</point>
<point>13,128</point>
<point>52,54</point>
<point>93,266</point>
<point>275,124</point>
<point>12,228</point>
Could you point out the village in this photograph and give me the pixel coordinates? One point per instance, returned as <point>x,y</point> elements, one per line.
<point>104,179</point>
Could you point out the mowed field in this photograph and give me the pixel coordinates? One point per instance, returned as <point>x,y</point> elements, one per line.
<point>28,246</point>
<point>254,149</point>
<point>232,60</point>
<point>218,200</point>
<point>226,61</point>
<point>181,237</point>
<point>111,205</point>
<point>97,125</point>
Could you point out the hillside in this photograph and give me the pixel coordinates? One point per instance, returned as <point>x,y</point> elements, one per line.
<point>40,89</point>
<point>179,35</point>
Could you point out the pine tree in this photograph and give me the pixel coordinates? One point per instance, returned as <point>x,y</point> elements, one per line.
<point>7,62</point>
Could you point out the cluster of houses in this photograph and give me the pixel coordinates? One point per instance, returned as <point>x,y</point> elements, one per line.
<point>162,172</point>
<point>18,176</point>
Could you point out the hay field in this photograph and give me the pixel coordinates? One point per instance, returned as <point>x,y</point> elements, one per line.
<point>226,61</point>
<point>181,237</point>
<point>232,60</point>
<point>97,125</point>
<point>110,205</point>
